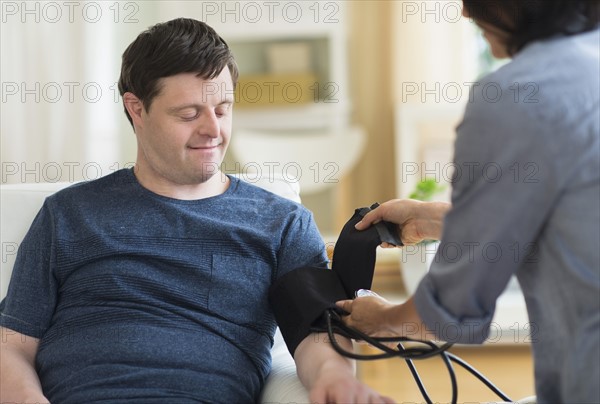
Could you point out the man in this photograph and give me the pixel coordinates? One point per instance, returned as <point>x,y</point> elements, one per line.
<point>150,284</point>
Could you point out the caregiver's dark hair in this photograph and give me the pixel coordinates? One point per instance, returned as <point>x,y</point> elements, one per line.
<point>182,45</point>
<point>525,21</point>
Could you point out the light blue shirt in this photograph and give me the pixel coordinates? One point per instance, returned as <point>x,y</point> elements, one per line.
<point>526,201</point>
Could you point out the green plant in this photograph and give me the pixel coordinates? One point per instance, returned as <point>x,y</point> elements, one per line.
<point>426,189</point>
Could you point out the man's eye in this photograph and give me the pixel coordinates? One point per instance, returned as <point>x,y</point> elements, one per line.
<point>188,117</point>
<point>222,111</point>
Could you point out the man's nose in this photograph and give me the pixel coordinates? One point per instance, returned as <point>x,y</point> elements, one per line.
<point>209,124</point>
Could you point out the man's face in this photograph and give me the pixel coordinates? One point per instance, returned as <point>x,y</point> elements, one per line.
<point>183,137</point>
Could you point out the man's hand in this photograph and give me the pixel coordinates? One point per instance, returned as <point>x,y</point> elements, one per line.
<point>335,385</point>
<point>330,377</point>
<point>417,221</point>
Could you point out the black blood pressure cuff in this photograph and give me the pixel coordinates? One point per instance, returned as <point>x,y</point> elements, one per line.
<point>301,297</point>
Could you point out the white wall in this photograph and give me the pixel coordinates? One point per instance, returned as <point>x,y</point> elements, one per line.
<point>435,58</point>
<point>62,118</point>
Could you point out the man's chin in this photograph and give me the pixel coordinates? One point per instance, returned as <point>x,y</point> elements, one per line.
<point>205,176</point>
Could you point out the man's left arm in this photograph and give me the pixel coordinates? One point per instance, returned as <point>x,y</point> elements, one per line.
<point>330,377</point>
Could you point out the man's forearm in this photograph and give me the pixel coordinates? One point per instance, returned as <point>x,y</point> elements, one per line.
<point>315,355</point>
<point>19,382</point>
<point>330,377</point>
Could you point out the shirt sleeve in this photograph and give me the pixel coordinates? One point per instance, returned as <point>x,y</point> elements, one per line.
<point>302,245</point>
<point>32,292</point>
<point>504,186</point>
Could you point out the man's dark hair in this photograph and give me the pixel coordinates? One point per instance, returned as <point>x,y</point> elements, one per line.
<point>182,45</point>
<point>526,21</point>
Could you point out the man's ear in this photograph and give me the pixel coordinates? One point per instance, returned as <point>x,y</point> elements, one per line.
<point>134,107</point>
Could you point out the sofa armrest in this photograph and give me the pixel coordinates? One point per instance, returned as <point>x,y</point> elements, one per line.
<point>283,384</point>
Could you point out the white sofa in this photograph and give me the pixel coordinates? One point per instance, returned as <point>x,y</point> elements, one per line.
<point>21,202</point>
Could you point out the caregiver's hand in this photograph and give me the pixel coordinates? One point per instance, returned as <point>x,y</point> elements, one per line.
<point>417,220</point>
<point>377,317</point>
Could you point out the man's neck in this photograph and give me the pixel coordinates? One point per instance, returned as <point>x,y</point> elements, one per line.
<point>215,185</point>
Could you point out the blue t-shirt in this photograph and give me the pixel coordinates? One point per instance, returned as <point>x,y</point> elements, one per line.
<point>138,297</point>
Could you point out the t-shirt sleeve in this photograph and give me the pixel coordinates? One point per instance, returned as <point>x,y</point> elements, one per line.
<point>503,190</point>
<point>302,245</point>
<point>31,297</point>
